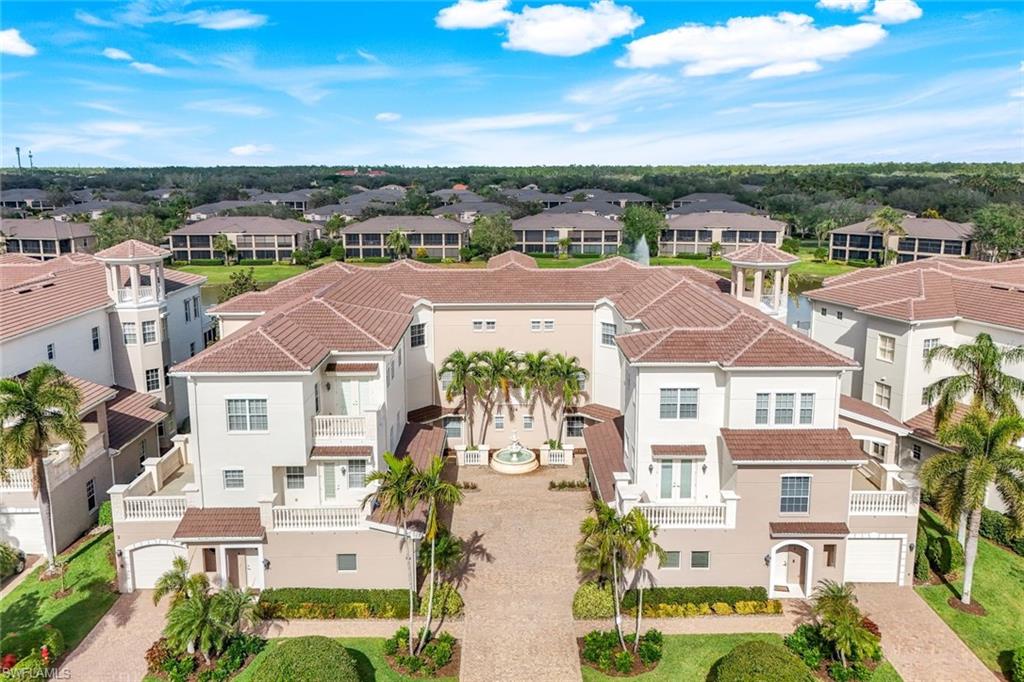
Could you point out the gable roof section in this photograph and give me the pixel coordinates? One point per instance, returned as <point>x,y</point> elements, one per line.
<point>130,414</point>
<point>791,445</point>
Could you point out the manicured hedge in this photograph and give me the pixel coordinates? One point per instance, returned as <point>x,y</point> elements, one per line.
<point>945,554</point>
<point>447,602</point>
<point>759,660</point>
<point>695,595</point>
<point>205,261</point>
<point>256,261</point>
<point>997,527</point>
<point>921,556</point>
<point>1017,669</point>
<point>306,659</point>
<point>592,602</point>
<point>324,602</point>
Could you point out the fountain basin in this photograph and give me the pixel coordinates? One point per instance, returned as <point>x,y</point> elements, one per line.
<point>514,459</point>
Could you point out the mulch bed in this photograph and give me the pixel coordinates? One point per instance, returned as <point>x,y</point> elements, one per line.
<point>821,672</point>
<point>973,609</point>
<point>638,666</point>
<point>450,670</point>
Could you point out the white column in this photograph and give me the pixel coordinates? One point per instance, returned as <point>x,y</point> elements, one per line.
<point>159,281</point>
<point>222,565</point>
<point>776,289</point>
<point>133,270</point>
<point>758,285</point>
<point>737,282</point>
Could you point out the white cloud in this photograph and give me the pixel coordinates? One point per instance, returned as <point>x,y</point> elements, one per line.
<point>844,5</point>
<point>388,116</point>
<point>146,67</point>
<point>12,43</point>
<point>630,88</point>
<point>251,149</point>
<point>368,56</point>
<point>780,45</point>
<point>894,12</point>
<point>103,106</point>
<point>1017,94</point>
<point>565,31</point>
<point>228,106</point>
<point>114,53</point>
<point>93,20</point>
<point>113,128</point>
<point>585,125</point>
<point>464,126</point>
<point>140,14</point>
<point>473,14</point>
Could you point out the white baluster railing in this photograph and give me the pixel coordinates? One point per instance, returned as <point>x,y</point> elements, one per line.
<point>329,428</point>
<point>473,458</point>
<point>17,479</point>
<point>879,503</point>
<point>317,518</point>
<point>154,508</point>
<point>558,458</point>
<point>685,516</point>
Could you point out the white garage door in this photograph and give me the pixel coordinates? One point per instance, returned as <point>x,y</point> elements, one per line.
<point>872,560</point>
<point>150,562</point>
<point>23,530</point>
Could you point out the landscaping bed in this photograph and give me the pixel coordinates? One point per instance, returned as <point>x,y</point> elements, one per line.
<point>593,602</point>
<point>440,656</point>
<point>317,602</point>
<point>601,650</point>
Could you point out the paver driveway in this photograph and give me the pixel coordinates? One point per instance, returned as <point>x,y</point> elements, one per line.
<point>518,624</point>
<point>916,641</point>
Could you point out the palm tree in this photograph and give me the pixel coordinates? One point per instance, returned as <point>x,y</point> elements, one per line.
<point>36,410</point>
<point>831,599</point>
<point>398,243</point>
<point>499,373</point>
<point>192,624</point>
<point>224,245</point>
<point>640,535</point>
<point>567,378</point>
<point>235,609</point>
<point>564,244</point>
<point>177,583</point>
<point>835,605</point>
<point>983,453</point>
<point>888,221</point>
<point>602,549</point>
<point>823,228</point>
<point>980,375</point>
<point>536,380</point>
<point>395,494</point>
<point>433,491</point>
<point>463,377</point>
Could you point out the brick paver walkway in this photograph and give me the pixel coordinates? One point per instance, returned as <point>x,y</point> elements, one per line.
<point>518,624</point>
<point>916,641</point>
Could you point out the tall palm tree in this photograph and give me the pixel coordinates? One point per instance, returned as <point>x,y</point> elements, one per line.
<point>463,377</point>
<point>980,374</point>
<point>435,493</point>
<point>983,453</point>
<point>224,245</point>
<point>640,533</point>
<point>395,494</point>
<point>177,583</point>
<point>37,410</point>
<point>567,377</point>
<point>603,549</point>
<point>536,380</point>
<point>193,625</point>
<point>398,243</point>
<point>888,221</point>
<point>499,374</point>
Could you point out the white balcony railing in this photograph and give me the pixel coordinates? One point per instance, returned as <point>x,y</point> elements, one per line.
<point>328,429</point>
<point>17,479</point>
<point>317,518</point>
<point>474,458</point>
<point>559,457</point>
<point>154,508</point>
<point>124,295</point>
<point>879,503</point>
<point>685,515</point>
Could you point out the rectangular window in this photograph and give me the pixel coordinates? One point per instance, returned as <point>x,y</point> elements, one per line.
<point>128,331</point>
<point>499,422</point>
<point>234,479</point>
<point>666,480</point>
<point>549,325</point>
<point>418,335</point>
<point>51,351</point>
<point>678,403</point>
<point>490,325</point>
<point>878,450</point>
<point>886,348</point>
<point>784,408</point>
<point>528,422</point>
<point>608,331</point>
<point>149,331</point>
<point>839,314</point>
<point>346,562</point>
<point>535,325</point>
<point>210,559</point>
<point>929,344</point>
<point>761,408</point>
<point>195,307</point>
<point>478,325</point>
<point>581,380</point>
<point>357,473</point>
<point>574,426</point>
<point>700,559</point>
<point>824,312</point>
<point>446,380</point>
<point>806,408</point>
<point>915,452</point>
<point>830,556</point>
<point>90,493</point>
<point>453,427</point>
<point>188,310</point>
<point>294,478</point>
<point>671,560</point>
<point>95,339</point>
<point>316,398</point>
<point>883,395</point>
<point>192,349</point>
<point>247,414</point>
<point>152,379</point>
<point>796,495</point>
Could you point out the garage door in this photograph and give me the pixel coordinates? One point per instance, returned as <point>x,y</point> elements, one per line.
<point>23,530</point>
<point>872,560</point>
<point>150,562</point>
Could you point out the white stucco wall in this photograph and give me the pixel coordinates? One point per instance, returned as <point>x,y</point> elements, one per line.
<point>72,339</point>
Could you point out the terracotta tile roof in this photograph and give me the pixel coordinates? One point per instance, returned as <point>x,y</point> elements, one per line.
<point>798,445</point>
<point>421,443</point>
<point>131,414</point>
<point>680,450</point>
<point>92,393</point>
<point>132,248</point>
<point>866,409</point>
<point>809,529</point>
<point>343,367</point>
<point>761,254</point>
<point>512,258</point>
<point>17,259</point>
<point>431,413</point>
<point>333,451</point>
<point>599,412</point>
<point>604,452</point>
<point>211,523</point>
<point>933,288</point>
<point>922,424</point>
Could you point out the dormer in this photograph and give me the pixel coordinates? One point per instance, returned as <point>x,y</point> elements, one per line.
<point>135,273</point>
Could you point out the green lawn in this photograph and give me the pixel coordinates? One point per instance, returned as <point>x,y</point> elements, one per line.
<point>368,653</point>
<point>220,274</point>
<point>90,576</point>
<point>999,587</point>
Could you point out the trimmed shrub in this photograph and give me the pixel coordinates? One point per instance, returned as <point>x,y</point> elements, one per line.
<point>807,643</point>
<point>998,528</point>
<point>24,643</point>
<point>601,649</point>
<point>338,252</point>
<point>695,595</point>
<point>1017,665</point>
<point>945,554</point>
<point>256,261</point>
<point>759,660</point>
<point>205,261</point>
<point>721,608</point>
<point>324,602</point>
<point>791,245</point>
<point>306,659</point>
<point>592,602</point>
<point>921,571</point>
<point>106,516</point>
<point>8,559</point>
<point>447,602</point>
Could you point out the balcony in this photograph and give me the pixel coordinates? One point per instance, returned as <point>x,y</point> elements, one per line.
<point>17,480</point>
<point>685,515</point>
<point>161,491</point>
<point>318,518</point>
<point>876,494</point>
<point>124,294</point>
<point>330,429</point>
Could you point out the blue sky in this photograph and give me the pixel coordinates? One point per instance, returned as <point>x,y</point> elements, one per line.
<point>496,82</point>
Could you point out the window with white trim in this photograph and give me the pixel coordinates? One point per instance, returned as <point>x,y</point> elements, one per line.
<point>581,381</point>
<point>839,314</point>
<point>346,563</point>
<point>95,339</point>
<point>574,424</point>
<point>234,479</point>
<point>549,325</point>
<point>915,452</point>
<point>142,451</point>
<point>700,559</point>
<point>192,349</point>
<point>128,332</point>
<point>806,408</point>
<point>527,422</point>
<point>795,495</point>
<point>886,351</point>
<point>149,331</point>
<point>824,312</point>
<point>883,395</point>
<point>195,307</point>
<point>678,403</point>
<point>784,408</point>
<point>878,450</point>
<point>478,325</point>
<point>499,421</point>
<point>247,414</point>
<point>357,473</point>
<point>535,325</point>
<point>484,325</point>
<point>608,332</point>
<point>671,560</point>
<point>152,379</point>
<point>446,380</point>
<point>761,408</point>
<point>418,335</point>
<point>188,310</point>
<point>294,478</point>
<point>453,427</point>
<point>929,345</point>
<point>90,494</point>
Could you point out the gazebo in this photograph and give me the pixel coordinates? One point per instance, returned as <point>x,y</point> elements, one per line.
<point>769,286</point>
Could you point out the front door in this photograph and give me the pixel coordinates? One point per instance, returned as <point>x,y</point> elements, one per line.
<point>350,399</point>
<point>333,479</point>
<point>252,568</point>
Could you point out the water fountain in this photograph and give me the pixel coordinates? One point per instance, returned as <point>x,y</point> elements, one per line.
<point>642,252</point>
<point>514,458</point>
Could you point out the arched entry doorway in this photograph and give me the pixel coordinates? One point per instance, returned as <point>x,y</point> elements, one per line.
<point>790,565</point>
